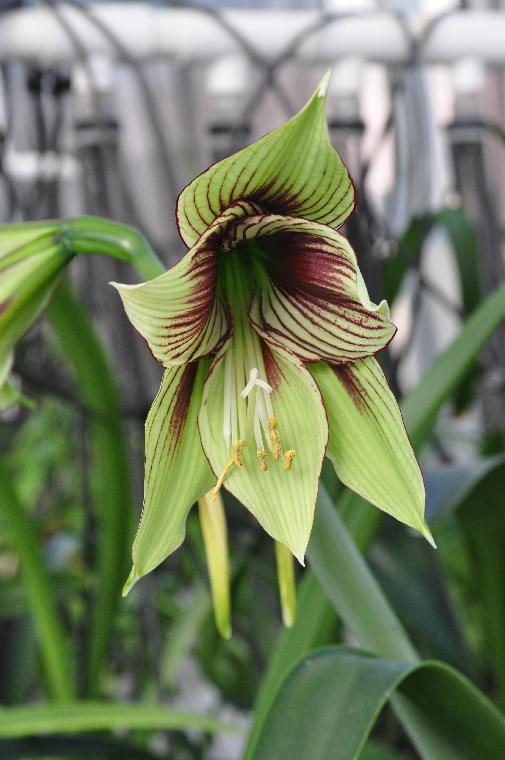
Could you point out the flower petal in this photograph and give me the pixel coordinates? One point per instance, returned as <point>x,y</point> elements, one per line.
<point>368,444</point>
<point>178,313</point>
<point>292,170</point>
<point>314,301</point>
<point>282,501</point>
<point>26,286</point>
<point>176,471</point>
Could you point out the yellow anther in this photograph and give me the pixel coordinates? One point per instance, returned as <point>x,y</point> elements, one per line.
<point>288,459</point>
<point>275,438</point>
<point>237,453</point>
<point>262,459</point>
<point>237,460</point>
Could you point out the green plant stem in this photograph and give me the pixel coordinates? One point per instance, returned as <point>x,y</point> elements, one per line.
<point>94,235</point>
<point>54,647</point>
<point>110,468</point>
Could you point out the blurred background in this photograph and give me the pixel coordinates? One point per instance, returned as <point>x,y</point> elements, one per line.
<point>110,108</point>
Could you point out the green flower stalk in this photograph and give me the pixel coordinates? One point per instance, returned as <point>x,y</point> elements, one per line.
<point>268,337</point>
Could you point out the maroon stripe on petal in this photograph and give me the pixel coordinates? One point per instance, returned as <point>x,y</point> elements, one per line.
<point>351,384</point>
<point>184,392</point>
<point>5,305</point>
<point>272,369</point>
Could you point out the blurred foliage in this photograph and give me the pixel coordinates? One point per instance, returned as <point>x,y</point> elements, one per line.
<point>154,664</point>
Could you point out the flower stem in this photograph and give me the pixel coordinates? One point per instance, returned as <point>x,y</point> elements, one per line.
<point>287,585</point>
<point>213,523</point>
<point>94,235</point>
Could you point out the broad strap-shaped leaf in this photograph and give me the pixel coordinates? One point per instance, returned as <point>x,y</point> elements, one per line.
<point>312,299</point>
<point>176,471</point>
<point>291,170</point>
<point>329,703</point>
<point>178,313</point>
<point>281,500</point>
<point>368,444</point>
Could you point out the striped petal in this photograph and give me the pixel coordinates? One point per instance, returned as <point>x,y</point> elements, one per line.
<point>176,470</point>
<point>368,444</point>
<point>282,500</point>
<point>178,313</point>
<point>313,301</point>
<point>292,170</point>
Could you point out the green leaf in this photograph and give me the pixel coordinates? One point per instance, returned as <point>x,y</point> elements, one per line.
<point>6,360</point>
<point>421,405</point>
<point>176,471</point>
<point>53,644</point>
<point>282,500</point>
<point>346,578</point>
<point>429,609</point>
<point>330,702</point>
<point>367,441</point>
<point>101,716</point>
<point>483,521</point>
<point>461,233</point>
<point>293,171</point>
<point>110,481</point>
<point>313,628</point>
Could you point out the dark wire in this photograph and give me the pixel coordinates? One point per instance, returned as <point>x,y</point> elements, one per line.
<point>132,211</point>
<point>145,91</point>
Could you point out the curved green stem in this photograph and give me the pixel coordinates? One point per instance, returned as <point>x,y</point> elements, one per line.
<point>54,649</point>
<point>94,235</point>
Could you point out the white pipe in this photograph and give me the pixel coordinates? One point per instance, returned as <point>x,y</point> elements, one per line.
<point>34,34</point>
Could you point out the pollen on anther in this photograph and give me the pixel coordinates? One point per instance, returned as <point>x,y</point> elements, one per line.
<point>275,438</point>
<point>288,459</point>
<point>238,453</point>
<point>262,459</point>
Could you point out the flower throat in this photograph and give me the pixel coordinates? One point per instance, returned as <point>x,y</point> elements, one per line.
<point>248,409</point>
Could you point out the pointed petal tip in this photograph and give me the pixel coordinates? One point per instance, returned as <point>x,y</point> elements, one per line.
<point>120,286</point>
<point>426,533</point>
<point>324,84</point>
<point>300,557</point>
<point>132,579</point>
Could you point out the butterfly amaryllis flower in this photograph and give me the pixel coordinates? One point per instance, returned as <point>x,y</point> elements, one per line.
<point>268,337</point>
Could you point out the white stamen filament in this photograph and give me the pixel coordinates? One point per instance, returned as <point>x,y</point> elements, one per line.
<point>259,404</point>
<point>253,376</point>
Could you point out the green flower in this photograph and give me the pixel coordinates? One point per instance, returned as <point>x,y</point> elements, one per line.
<point>31,261</point>
<point>268,337</point>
